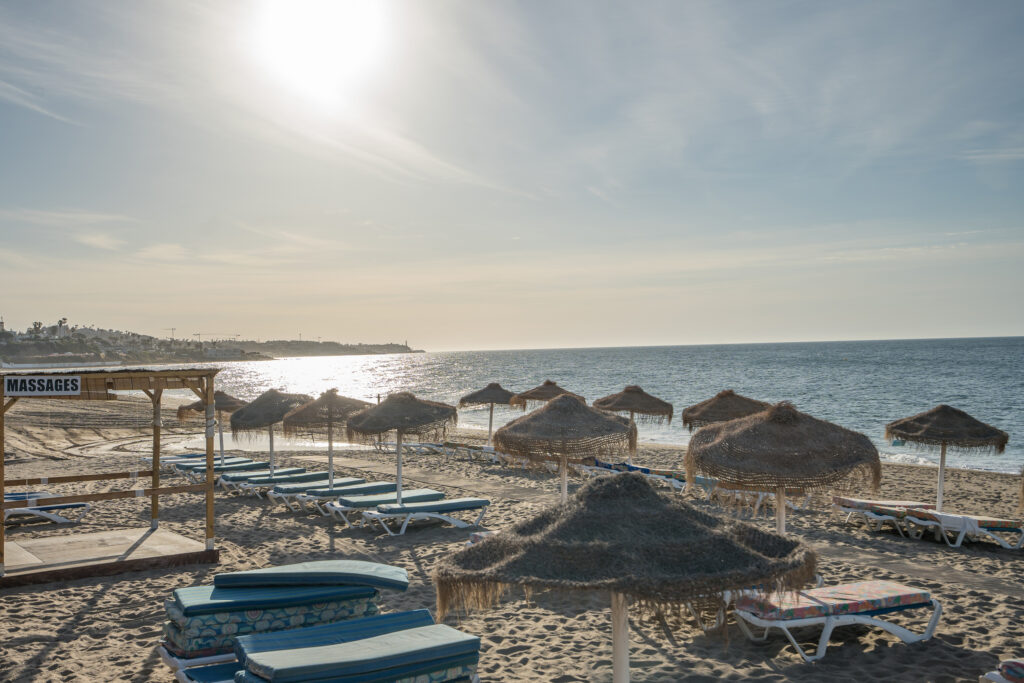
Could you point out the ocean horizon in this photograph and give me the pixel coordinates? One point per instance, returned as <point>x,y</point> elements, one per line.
<point>860,385</point>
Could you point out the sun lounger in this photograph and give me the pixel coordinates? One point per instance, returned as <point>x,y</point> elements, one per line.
<point>954,528</point>
<point>26,495</point>
<point>435,653</point>
<point>407,512</point>
<point>229,481</point>
<point>319,497</point>
<point>259,485</point>
<point>876,513</point>
<point>190,465</point>
<point>204,620</point>
<point>349,504</point>
<point>54,513</point>
<point>832,606</point>
<point>289,494</point>
<point>1009,671</point>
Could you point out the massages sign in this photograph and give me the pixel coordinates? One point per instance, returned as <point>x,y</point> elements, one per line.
<point>42,385</point>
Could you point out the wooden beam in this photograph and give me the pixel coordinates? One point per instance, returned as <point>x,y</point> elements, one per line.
<point>106,495</point>
<point>42,481</point>
<point>2,458</point>
<point>7,406</point>
<point>210,402</point>
<point>154,504</point>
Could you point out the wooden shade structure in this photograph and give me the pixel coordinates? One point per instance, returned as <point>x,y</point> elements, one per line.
<point>945,426</point>
<point>320,416</point>
<point>725,405</point>
<point>100,384</point>
<point>620,535</point>
<point>223,403</point>
<point>268,409</point>
<point>566,430</point>
<point>404,414</point>
<point>780,449</point>
<point>639,405</point>
<point>490,395</point>
<point>541,393</point>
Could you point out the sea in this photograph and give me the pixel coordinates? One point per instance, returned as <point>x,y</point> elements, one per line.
<point>860,385</point>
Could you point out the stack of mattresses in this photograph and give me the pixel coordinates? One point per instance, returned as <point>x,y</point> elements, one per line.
<point>203,621</point>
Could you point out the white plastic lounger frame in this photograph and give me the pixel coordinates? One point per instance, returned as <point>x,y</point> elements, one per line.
<point>993,676</point>
<point>961,527</point>
<point>872,519</point>
<point>178,663</point>
<point>831,622</point>
<point>342,512</point>
<point>292,501</point>
<point>58,514</point>
<point>407,517</point>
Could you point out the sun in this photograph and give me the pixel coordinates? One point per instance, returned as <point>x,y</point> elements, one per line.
<point>320,49</point>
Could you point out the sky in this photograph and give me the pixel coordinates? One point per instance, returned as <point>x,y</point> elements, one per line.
<point>491,175</point>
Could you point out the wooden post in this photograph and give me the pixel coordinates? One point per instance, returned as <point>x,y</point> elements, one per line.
<point>270,430</point>
<point>632,451</point>
<point>220,433</point>
<point>942,477</point>
<point>3,411</point>
<point>563,471</point>
<point>398,450</point>
<point>154,506</point>
<point>620,639</point>
<point>490,426</point>
<point>330,446</point>
<point>210,476</point>
<point>780,509</point>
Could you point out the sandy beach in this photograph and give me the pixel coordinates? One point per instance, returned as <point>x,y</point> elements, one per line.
<point>106,628</point>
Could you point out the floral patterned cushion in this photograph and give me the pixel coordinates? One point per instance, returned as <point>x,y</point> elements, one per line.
<point>982,521</point>
<point>1012,670</point>
<point>848,598</point>
<point>865,504</point>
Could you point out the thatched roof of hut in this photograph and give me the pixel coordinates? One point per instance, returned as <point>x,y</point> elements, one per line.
<point>566,428</point>
<point>313,417</point>
<point>492,393</point>
<point>269,408</point>
<point>402,411</point>
<point>540,394</point>
<point>635,400</point>
<point>222,402</point>
<point>725,405</point>
<point>620,534</point>
<point>946,424</point>
<point>780,447</point>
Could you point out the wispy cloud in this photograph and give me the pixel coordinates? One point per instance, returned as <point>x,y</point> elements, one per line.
<point>99,240</point>
<point>989,156</point>
<point>66,218</point>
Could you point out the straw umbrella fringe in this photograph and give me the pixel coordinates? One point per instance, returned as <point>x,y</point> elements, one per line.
<point>540,394</point>
<point>269,408</point>
<point>946,426</point>
<point>491,394</point>
<point>725,405</point>
<point>316,417</point>
<point>782,450</point>
<point>222,403</point>
<point>404,414</point>
<point>568,431</point>
<point>640,406</point>
<point>603,540</point>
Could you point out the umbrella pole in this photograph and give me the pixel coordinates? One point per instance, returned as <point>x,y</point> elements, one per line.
<point>632,451</point>
<point>780,510</point>
<point>620,639</point>
<point>398,451</point>
<point>942,477</point>
<point>563,471</point>
<point>270,429</point>
<point>330,454</point>
<point>490,425</point>
<point>220,431</point>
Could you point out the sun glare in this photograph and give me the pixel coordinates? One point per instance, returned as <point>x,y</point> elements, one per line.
<point>320,49</point>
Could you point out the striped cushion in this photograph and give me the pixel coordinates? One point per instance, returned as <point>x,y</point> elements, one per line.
<point>981,520</point>
<point>866,504</point>
<point>1012,670</point>
<point>849,598</point>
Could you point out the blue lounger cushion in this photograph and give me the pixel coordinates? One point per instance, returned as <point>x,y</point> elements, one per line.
<point>236,467</point>
<point>196,600</point>
<point>26,495</point>
<point>330,634</point>
<point>295,478</point>
<point>214,673</point>
<point>367,489</point>
<point>448,670</point>
<point>379,655</point>
<point>339,483</point>
<point>452,505</point>
<point>318,573</point>
<point>189,466</point>
<point>412,496</point>
<point>62,506</point>
<point>264,472</point>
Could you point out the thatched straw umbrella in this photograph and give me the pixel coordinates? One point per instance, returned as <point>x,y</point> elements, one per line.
<point>269,408</point>
<point>604,540</point>
<point>781,449</point>
<point>320,415</point>
<point>542,393</point>
<point>404,414</point>
<point>222,403</point>
<point>946,426</point>
<point>636,401</point>
<point>491,394</point>
<point>566,430</point>
<point>725,405</point>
